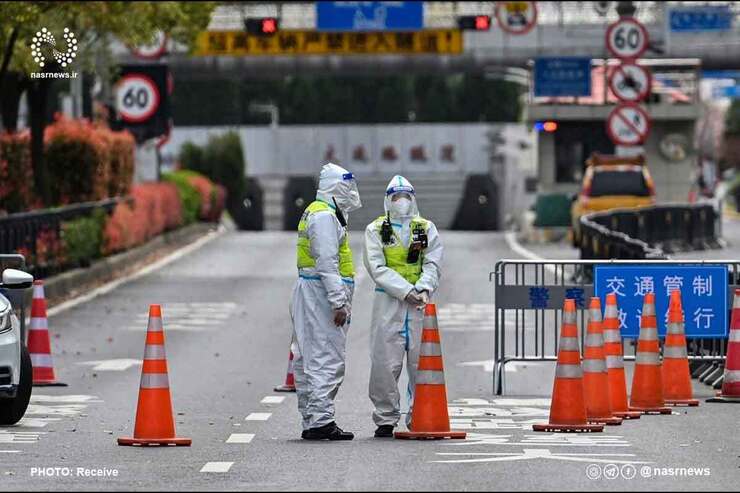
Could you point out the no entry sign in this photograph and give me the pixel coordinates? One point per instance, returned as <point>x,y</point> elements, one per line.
<point>626,38</point>
<point>628,125</point>
<point>137,98</point>
<point>516,17</point>
<point>630,82</point>
<point>154,50</point>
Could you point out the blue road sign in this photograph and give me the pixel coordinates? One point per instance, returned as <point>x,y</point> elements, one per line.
<point>562,76</point>
<point>703,296</point>
<point>700,18</point>
<point>369,16</point>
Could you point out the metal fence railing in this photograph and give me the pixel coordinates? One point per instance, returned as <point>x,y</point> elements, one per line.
<point>523,333</point>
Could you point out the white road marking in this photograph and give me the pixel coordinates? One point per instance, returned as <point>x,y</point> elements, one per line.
<point>532,401</point>
<point>258,417</point>
<point>189,316</point>
<point>106,288</point>
<point>27,422</point>
<point>217,467</point>
<point>112,364</point>
<point>10,451</point>
<point>517,248</point>
<point>487,364</point>
<point>64,398</point>
<point>548,440</point>
<point>529,454</point>
<point>7,436</point>
<point>273,399</point>
<point>59,410</point>
<point>522,412</point>
<point>240,438</point>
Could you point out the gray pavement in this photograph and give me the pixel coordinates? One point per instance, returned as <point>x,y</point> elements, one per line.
<point>228,328</point>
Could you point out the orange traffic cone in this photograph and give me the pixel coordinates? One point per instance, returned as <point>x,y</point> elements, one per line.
<point>676,377</point>
<point>731,382</point>
<point>154,424</point>
<point>647,385</point>
<point>595,376</point>
<point>615,361</point>
<point>289,385</point>
<point>429,418</point>
<point>39,343</point>
<point>568,407</point>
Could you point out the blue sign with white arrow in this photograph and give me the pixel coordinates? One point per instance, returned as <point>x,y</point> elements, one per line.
<point>369,16</point>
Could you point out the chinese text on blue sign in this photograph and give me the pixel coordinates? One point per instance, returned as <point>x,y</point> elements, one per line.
<point>703,296</point>
<point>369,16</point>
<point>700,18</point>
<point>563,76</point>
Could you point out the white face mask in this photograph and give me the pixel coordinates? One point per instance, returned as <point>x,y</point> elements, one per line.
<point>401,207</point>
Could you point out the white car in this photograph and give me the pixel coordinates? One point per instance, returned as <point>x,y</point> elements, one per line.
<point>16,372</point>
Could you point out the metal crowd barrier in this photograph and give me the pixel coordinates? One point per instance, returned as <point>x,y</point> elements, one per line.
<point>523,333</point>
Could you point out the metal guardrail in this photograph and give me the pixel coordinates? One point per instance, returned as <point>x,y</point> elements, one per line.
<point>523,333</point>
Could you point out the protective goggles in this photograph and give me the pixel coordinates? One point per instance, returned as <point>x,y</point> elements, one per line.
<point>400,188</point>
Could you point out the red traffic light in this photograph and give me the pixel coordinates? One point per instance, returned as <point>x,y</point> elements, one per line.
<point>474,22</point>
<point>262,26</point>
<point>269,25</point>
<point>482,22</point>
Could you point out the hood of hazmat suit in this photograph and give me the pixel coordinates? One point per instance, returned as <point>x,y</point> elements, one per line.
<point>339,184</point>
<point>396,324</point>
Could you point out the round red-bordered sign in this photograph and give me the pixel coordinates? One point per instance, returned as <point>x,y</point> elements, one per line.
<point>627,38</point>
<point>136,97</point>
<point>519,22</point>
<point>628,125</point>
<point>630,82</point>
<point>152,51</point>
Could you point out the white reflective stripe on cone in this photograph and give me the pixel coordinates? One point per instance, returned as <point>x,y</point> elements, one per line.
<point>430,322</point>
<point>648,310</point>
<point>569,318</point>
<point>736,301</point>
<point>594,365</point>
<point>610,312</point>
<point>643,358</point>
<point>594,340</point>
<point>648,334</point>
<point>430,377</point>
<point>568,344</point>
<point>154,351</point>
<point>614,361</point>
<point>155,324</point>
<point>38,292</point>
<point>430,349</point>
<point>568,371</point>
<point>38,323</point>
<point>675,352</point>
<point>155,381</point>
<point>674,328</point>
<point>41,360</point>
<point>594,314</point>
<point>612,335</point>
<point>732,376</point>
<point>734,336</point>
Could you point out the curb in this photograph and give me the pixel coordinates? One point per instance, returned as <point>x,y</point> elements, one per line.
<point>77,281</point>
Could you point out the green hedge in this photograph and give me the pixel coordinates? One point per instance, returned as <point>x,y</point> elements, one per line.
<point>189,196</point>
<point>83,238</point>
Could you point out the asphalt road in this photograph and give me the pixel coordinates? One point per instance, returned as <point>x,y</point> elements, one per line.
<point>225,309</point>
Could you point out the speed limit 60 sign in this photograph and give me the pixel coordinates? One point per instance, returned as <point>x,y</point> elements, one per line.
<point>627,38</point>
<point>141,99</point>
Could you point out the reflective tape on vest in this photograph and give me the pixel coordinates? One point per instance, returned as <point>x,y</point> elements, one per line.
<point>594,340</point>
<point>155,324</point>
<point>642,358</point>
<point>569,318</point>
<point>675,352</point>
<point>674,328</point>
<point>430,322</point>
<point>568,344</point>
<point>594,314</point>
<point>568,371</point>
<point>430,377</point>
<point>614,362</point>
<point>732,376</point>
<point>41,360</point>
<point>594,365</point>
<point>648,310</point>
<point>155,381</point>
<point>648,334</point>
<point>154,351</point>
<point>612,336</point>
<point>430,349</point>
<point>734,336</point>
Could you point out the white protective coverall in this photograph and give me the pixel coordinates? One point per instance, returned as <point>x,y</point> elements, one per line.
<point>396,324</point>
<point>319,345</point>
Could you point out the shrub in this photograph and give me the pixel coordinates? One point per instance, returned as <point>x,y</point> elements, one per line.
<point>121,150</point>
<point>189,196</point>
<point>82,238</point>
<point>191,157</point>
<point>219,202</point>
<point>16,173</point>
<point>212,196</point>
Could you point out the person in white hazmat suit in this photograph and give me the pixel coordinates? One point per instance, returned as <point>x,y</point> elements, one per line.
<point>322,302</point>
<point>403,255</point>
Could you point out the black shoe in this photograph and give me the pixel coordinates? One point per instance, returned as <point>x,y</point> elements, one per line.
<point>384,431</point>
<point>327,432</point>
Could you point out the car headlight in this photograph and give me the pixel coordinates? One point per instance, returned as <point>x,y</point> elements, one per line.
<point>5,313</point>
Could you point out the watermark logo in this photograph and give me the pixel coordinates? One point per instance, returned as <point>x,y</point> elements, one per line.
<point>593,471</point>
<point>629,471</point>
<point>44,47</point>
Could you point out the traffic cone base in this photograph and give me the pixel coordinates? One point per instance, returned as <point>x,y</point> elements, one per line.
<point>154,442</point>
<point>611,420</point>
<point>429,435</point>
<point>652,410</point>
<point>628,414</point>
<point>284,388</point>
<point>587,428</point>
<point>681,402</point>
<point>724,398</point>
<point>49,383</point>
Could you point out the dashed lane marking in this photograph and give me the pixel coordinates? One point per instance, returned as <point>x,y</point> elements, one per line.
<point>258,417</point>
<point>190,316</point>
<point>8,436</point>
<point>217,467</point>
<point>240,438</point>
<point>273,399</point>
<point>111,364</point>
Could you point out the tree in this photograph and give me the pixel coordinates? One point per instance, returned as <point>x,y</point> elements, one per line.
<point>732,118</point>
<point>95,25</point>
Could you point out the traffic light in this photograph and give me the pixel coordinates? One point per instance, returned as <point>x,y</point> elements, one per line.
<point>261,26</point>
<point>474,22</point>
